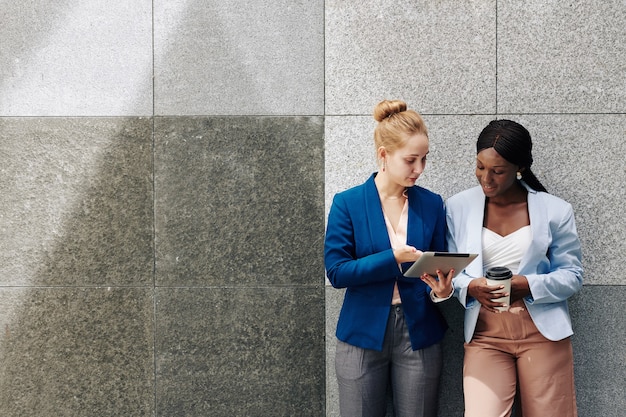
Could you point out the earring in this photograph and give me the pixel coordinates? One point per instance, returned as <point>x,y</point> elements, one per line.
<point>519,175</point>
<point>384,165</point>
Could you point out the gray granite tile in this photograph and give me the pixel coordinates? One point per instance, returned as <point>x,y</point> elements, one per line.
<point>451,162</point>
<point>350,155</point>
<point>239,201</point>
<point>76,352</point>
<point>239,57</point>
<point>441,57</point>
<point>77,201</point>
<point>240,352</point>
<point>599,352</point>
<point>580,159</point>
<point>76,58</point>
<point>556,57</point>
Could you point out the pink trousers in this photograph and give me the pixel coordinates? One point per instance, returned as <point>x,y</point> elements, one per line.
<point>507,353</point>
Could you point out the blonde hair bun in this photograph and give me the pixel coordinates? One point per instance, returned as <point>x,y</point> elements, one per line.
<point>387,108</point>
<point>395,124</point>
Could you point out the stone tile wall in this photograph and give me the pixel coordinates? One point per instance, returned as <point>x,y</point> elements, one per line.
<point>166,168</point>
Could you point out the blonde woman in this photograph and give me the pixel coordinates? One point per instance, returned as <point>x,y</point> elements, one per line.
<point>389,329</point>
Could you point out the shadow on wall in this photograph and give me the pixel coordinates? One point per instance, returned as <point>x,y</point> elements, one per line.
<point>239,226</point>
<point>77,255</point>
<point>80,329</point>
<point>76,262</point>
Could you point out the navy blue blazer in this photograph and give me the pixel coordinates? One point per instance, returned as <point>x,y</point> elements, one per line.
<point>358,256</point>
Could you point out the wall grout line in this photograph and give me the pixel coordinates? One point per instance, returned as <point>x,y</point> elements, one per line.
<point>496,54</point>
<point>154,249</point>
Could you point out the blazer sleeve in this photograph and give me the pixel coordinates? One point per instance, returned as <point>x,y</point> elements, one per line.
<point>560,274</point>
<point>462,280</point>
<point>344,266</point>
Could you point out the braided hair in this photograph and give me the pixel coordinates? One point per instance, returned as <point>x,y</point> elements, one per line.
<point>512,141</point>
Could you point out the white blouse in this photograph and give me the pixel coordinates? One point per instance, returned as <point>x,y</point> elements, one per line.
<point>505,250</point>
<point>397,238</point>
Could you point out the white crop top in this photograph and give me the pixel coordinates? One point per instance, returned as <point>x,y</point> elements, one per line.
<point>505,250</point>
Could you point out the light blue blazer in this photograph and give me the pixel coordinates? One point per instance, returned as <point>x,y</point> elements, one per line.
<point>552,264</point>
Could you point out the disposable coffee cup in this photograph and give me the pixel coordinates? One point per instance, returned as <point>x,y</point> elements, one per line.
<point>500,275</point>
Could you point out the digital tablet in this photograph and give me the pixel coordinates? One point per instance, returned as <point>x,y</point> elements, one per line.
<point>430,262</point>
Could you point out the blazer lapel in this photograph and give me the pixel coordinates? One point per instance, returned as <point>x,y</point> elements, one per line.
<point>379,237</point>
<point>474,237</point>
<point>415,226</point>
<point>540,240</point>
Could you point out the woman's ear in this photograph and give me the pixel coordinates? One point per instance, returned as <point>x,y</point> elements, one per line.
<point>381,153</point>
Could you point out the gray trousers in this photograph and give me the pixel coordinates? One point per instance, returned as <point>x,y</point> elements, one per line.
<point>365,375</point>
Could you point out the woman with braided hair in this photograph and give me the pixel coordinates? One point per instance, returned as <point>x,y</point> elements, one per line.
<point>510,220</point>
